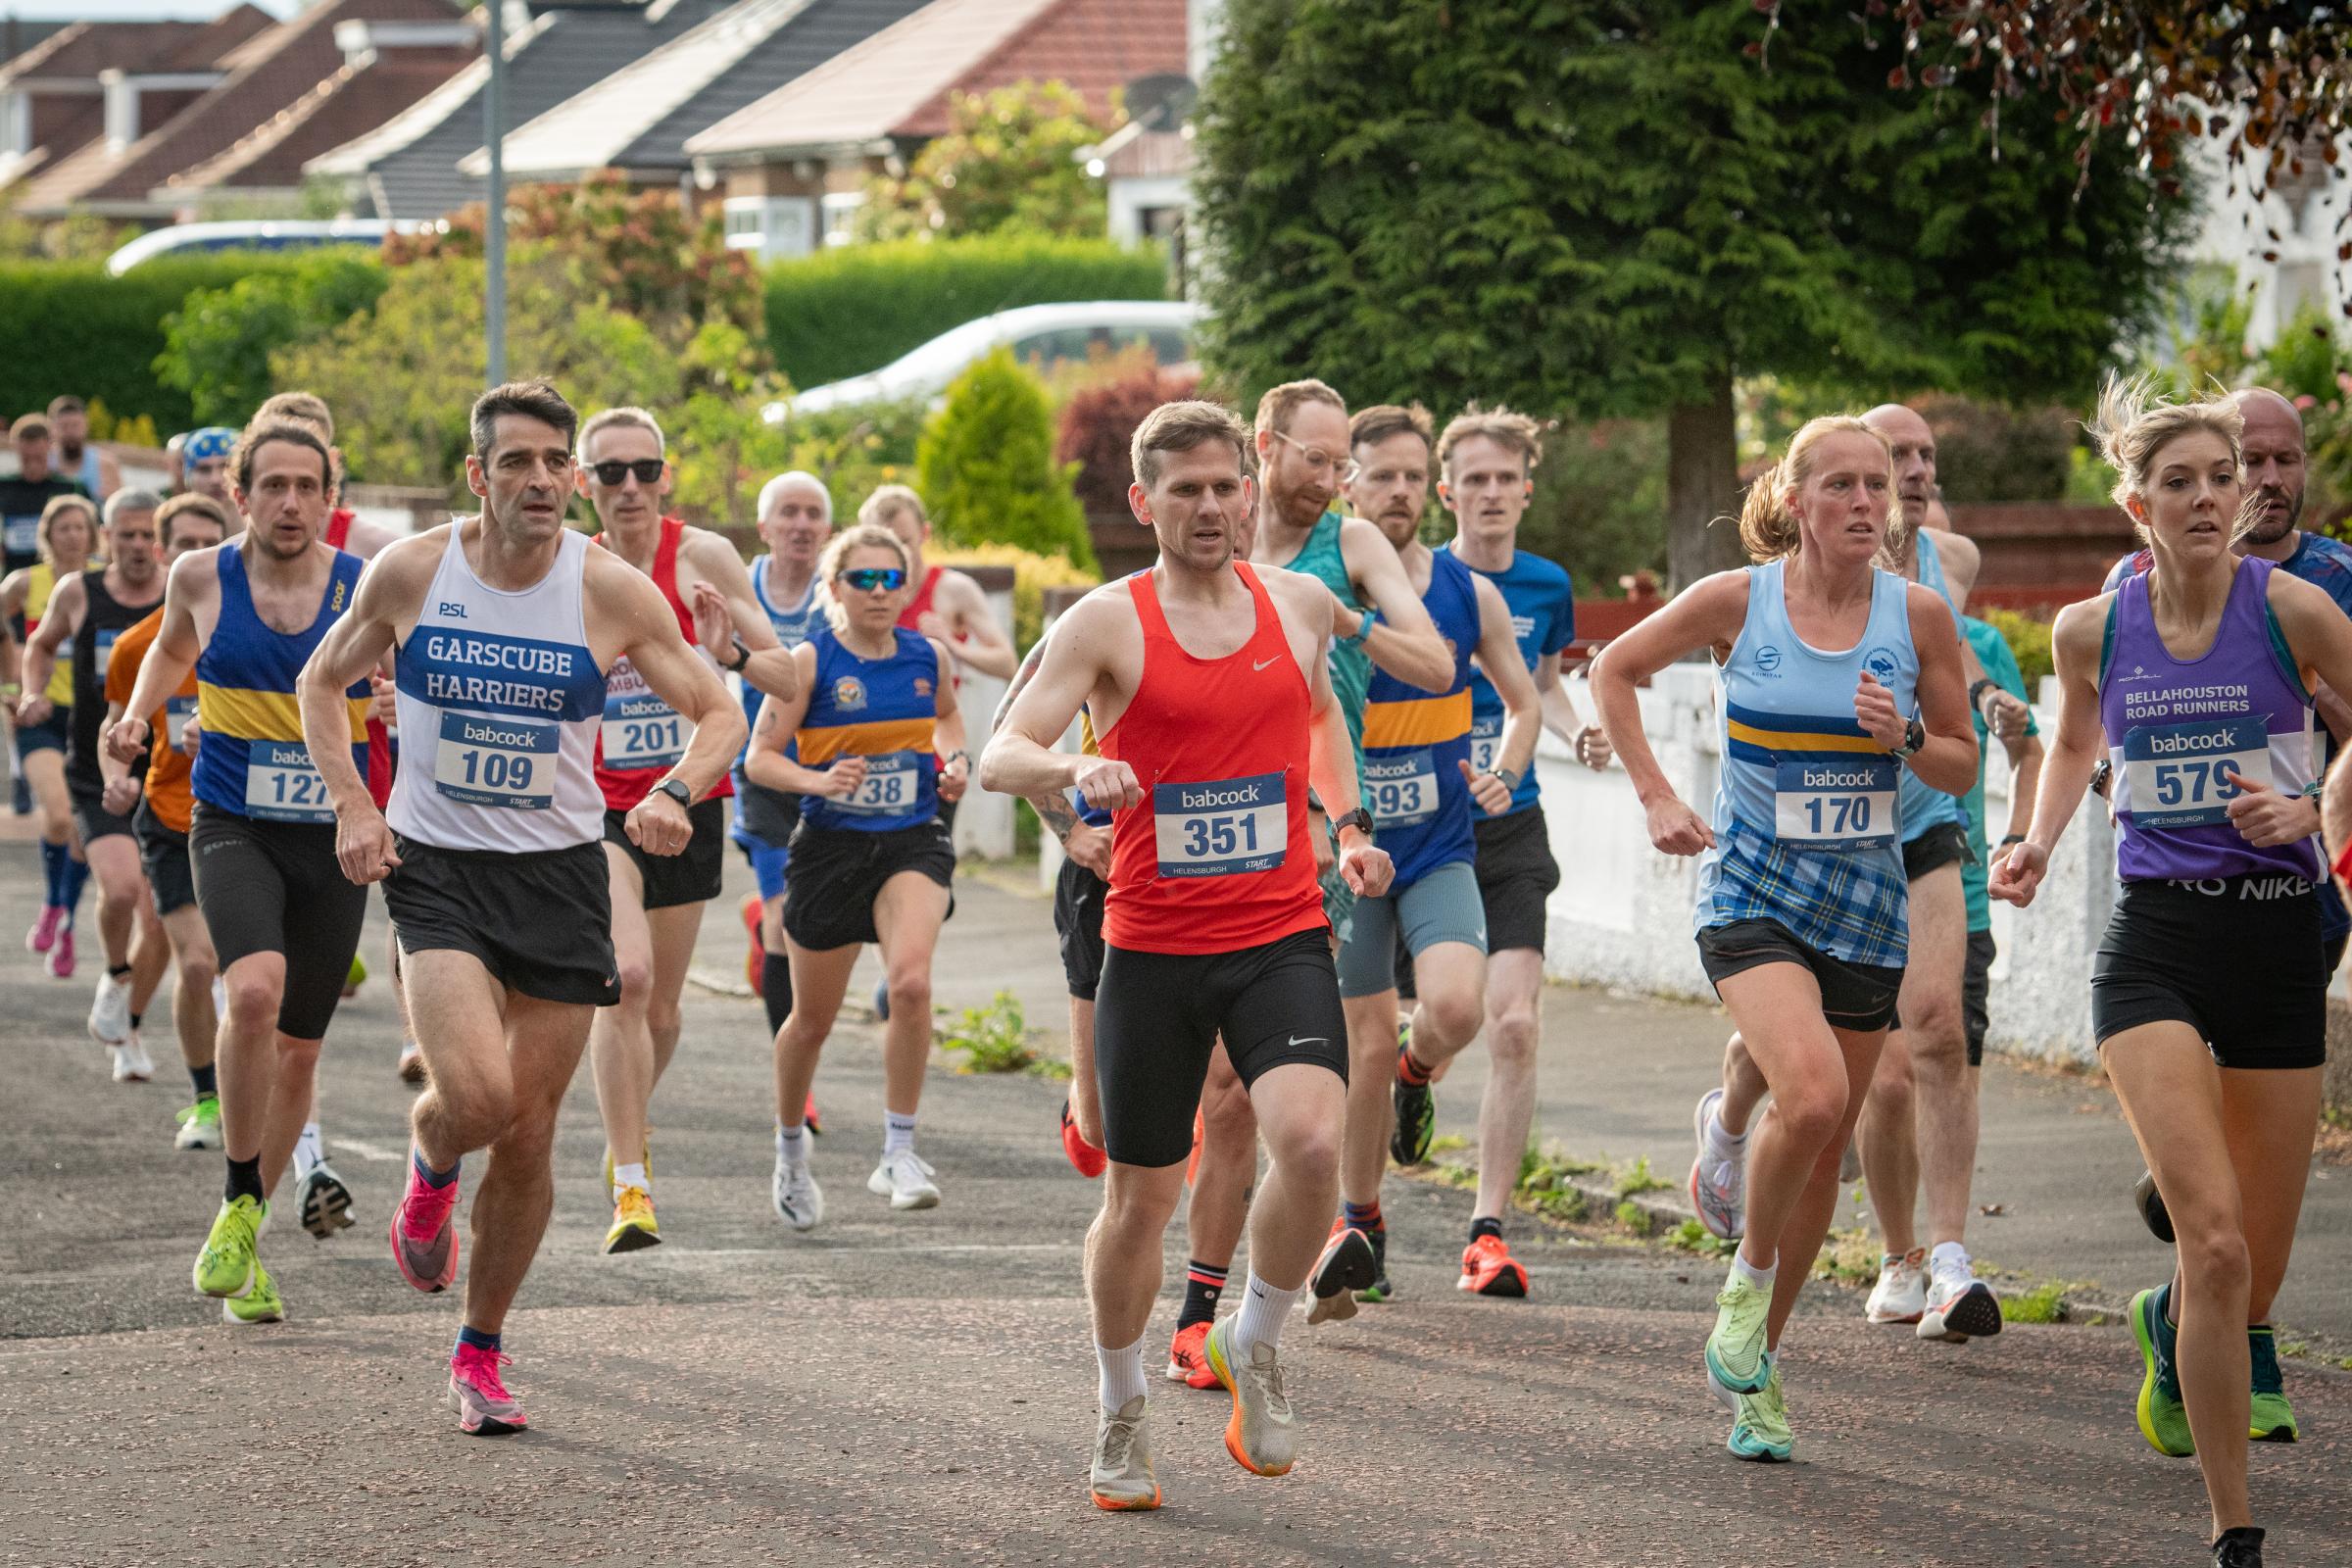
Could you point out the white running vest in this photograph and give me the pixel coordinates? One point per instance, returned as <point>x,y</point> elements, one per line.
<point>500,699</point>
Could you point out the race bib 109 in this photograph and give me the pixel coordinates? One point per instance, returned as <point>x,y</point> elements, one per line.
<point>1220,827</point>
<point>508,762</point>
<point>892,783</point>
<point>282,785</point>
<point>1846,803</point>
<point>1402,789</point>
<point>2178,775</point>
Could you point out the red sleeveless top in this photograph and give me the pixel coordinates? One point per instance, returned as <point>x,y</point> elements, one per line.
<point>638,725</point>
<point>1216,858</point>
<point>920,605</point>
<point>380,760</point>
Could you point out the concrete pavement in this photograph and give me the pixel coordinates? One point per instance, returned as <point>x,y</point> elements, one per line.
<point>917,1387</point>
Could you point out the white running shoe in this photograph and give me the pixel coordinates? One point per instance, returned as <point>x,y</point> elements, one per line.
<point>1901,1294</point>
<point>800,1201</point>
<point>221,998</point>
<point>324,1201</point>
<point>1959,1306</point>
<point>110,1013</point>
<point>1718,1185</point>
<point>199,1126</point>
<point>905,1178</point>
<point>1121,1479</point>
<point>133,1064</point>
<point>411,1062</point>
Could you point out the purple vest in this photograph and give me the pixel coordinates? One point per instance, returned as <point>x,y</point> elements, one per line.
<point>2177,730</point>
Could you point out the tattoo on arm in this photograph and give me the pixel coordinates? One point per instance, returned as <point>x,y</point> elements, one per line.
<point>1055,811</point>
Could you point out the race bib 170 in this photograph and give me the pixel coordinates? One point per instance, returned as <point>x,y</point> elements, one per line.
<point>1841,803</point>
<point>1220,827</point>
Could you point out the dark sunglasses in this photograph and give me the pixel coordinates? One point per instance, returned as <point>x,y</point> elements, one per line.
<point>647,469</point>
<point>865,579</point>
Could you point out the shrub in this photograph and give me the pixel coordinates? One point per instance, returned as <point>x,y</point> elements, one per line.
<point>69,327</point>
<point>843,311</point>
<point>2029,638</point>
<point>1008,162</point>
<point>985,465</point>
<point>1098,426</point>
<point>1600,507</point>
<point>1985,452</point>
<point>1032,575</point>
<point>217,344</point>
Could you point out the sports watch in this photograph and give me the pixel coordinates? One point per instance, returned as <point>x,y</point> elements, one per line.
<point>1358,818</point>
<point>1915,736</point>
<point>676,790</point>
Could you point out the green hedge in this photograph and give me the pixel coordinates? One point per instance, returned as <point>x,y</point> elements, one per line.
<point>69,327</point>
<point>851,309</point>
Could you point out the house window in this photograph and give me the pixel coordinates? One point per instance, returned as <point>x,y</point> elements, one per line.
<point>841,215</point>
<point>773,225</point>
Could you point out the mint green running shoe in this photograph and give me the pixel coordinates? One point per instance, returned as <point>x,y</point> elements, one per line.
<point>2163,1417</point>
<point>1760,1421</point>
<point>1736,1358</point>
<point>2271,1419</point>
<point>228,1265</point>
<point>260,1305</point>
<point>199,1125</point>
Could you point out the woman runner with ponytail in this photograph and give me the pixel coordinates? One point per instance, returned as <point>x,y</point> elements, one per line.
<point>1833,677</point>
<point>2208,996</point>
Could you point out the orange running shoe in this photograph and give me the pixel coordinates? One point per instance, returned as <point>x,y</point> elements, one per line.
<point>1188,1364</point>
<point>757,958</point>
<point>1488,1269</point>
<point>808,1115</point>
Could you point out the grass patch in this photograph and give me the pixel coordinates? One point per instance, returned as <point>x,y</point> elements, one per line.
<point>2044,1304</point>
<point>1449,1143</point>
<point>997,1038</point>
<point>1641,1179</point>
<point>1692,1237</point>
<point>2295,1350</point>
<point>1849,1256</point>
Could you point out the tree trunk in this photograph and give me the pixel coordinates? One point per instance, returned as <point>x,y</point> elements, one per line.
<point>1702,484</point>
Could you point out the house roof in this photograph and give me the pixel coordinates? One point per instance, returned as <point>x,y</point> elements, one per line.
<point>411,165</point>
<point>640,117</point>
<point>355,99</point>
<point>16,35</point>
<point>80,50</point>
<point>898,84</point>
<point>267,74</point>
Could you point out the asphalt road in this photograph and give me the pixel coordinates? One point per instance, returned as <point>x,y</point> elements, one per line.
<point>919,1389</point>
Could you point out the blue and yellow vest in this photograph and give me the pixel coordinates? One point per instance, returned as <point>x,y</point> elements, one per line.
<point>252,761</point>
<point>884,710</point>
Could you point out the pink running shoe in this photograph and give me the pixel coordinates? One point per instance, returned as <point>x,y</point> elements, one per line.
<point>485,1408</point>
<point>424,1234</point>
<point>61,955</point>
<point>44,929</point>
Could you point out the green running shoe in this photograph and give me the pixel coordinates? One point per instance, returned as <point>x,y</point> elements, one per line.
<point>2163,1417</point>
<point>199,1125</point>
<point>260,1305</point>
<point>1380,1289</point>
<point>1760,1422</point>
<point>1736,1358</point>
<point>1416,1117</point>
<point>228,1265</point>
<point>2273,1419</point>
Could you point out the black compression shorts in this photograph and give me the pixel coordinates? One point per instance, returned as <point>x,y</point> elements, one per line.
<point>2237,958</point>
<point>1078,896</point>
<point>1516,876</point>
<point>276,887</point>
<point>838,872</point>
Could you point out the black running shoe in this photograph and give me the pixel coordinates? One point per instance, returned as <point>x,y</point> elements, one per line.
<point>1346,1267</point>
<point>2152,1212</point>
<point>1416,1118</point>
<point>1380,1289</point>
<point>2239,1548</point>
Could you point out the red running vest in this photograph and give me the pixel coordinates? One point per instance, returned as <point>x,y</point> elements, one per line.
<point>380,759</point>
<point>624,787</point>
<point>1216,858</point>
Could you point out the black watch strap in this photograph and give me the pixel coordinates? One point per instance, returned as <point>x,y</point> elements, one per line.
<point>1357,818</point>
<point>676,790</point>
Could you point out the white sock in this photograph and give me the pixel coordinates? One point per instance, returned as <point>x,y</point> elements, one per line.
<point>792,1144</point>
<point>1723,1144</point>
<point>1264,1308</point>
<point>1948,1255</point>
<point>309,1149</point>
<point>897,1132</point>
<point>1760,1278</point>
<point>1120,1375</point>
<point>629,1176</point>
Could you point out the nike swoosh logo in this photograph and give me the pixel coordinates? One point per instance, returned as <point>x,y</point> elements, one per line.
<point>1263,662</point>
<point>1310,1040</point>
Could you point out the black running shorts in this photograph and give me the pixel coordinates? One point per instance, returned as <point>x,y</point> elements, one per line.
<point>2237,958</point>
<point>1516,876</point>
<point>1945,844</point>
<point>1859,996</point>
<point>1975,986</point>
<point>838,872</point>
<point>1078,896</point>
<point>540,921</point>
<point>1160,1014</point>
<point>690,876</point>
<point>276,887</point>
<point>92,819</point>
<point>163,857</point>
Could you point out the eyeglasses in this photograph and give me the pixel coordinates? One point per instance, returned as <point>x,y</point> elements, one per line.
<point>647,469</point>
<point>867,579</point>
<point>1322,461</point>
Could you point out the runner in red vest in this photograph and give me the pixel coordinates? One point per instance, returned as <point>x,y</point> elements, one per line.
<point>658,900</point>
<point>1206,680</point>
<point>947,604</point>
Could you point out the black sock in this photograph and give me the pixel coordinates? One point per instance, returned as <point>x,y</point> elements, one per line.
<point>244,1179</point>
<point>135,1017</point>
<point>206,1081</point>
<point>115,971</point>
<point>1486,1227</point>
<point>1203,1285</point>
<point>775,989</point>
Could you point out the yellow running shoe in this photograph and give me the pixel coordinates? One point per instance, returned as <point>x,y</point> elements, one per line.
<point>633,1224</point>
<point>260,1305</point>
<point>228,1265</point>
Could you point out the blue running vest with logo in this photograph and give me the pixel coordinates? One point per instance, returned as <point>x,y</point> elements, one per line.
<point>1414,743</point>
<point>792,627</point>
<point>1923,805</point>
<point>885,711</point>
<point>2177,730</point>
<point>252,760</point>
<point>499,699</point>
<point>1542,599</point>
<point>1806,830</point>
